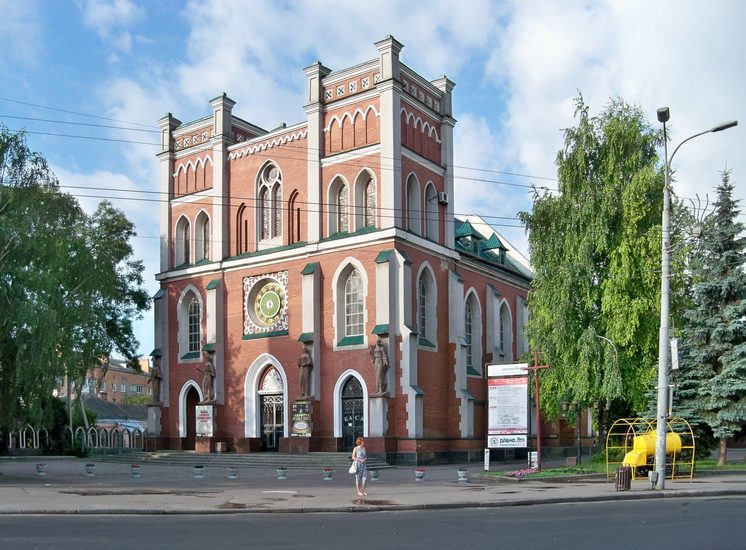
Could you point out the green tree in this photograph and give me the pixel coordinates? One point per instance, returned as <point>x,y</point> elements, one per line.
<point>712,376</point>
<point>595,246</point>
<point>69,286</point>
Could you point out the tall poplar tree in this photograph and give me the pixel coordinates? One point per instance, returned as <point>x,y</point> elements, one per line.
<point>69,285</point>
<point>712,377</point>
<point>595,246</point>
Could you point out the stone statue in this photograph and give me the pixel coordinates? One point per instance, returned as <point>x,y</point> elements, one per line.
<point>381,365</point>
<point>305,365</point>
<point>155,379</point>
<point>208,373</point>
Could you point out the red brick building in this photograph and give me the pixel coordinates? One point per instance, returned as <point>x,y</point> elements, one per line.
<point>330,234</point>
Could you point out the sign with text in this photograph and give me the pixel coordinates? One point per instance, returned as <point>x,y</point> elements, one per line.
<point>509,369</point>
<point>300,419</point>
<point>508,405</point>
<point>205,420</point>
<point>506,441</point>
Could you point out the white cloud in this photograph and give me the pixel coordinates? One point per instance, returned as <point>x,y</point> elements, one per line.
<point>110,19</point>
<point>19,31</point>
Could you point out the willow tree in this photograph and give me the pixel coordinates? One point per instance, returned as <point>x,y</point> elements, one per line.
<point>69,285</point>
<point>595,245</point>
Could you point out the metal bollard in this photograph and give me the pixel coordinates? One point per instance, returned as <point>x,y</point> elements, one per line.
<point>652,479</point>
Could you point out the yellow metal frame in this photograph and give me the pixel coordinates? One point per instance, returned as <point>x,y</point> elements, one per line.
<point>621,438</point>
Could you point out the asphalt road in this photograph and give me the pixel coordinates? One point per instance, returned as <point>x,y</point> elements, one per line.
<point>679,524</point>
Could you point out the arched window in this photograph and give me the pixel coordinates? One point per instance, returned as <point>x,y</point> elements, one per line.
<point>502,331</point>
<point>343,200</point>
<point>270,203</point>
<point>202,237</point>
<point>414,213</point>
<point>468,336</point>
<point>431,212</point>
<point>370,204</point>
<point>506,333</point>
<point>422,306</point>
<point>293,219</point>
<point>194,325</point>
<point>354,307</point>
<point>242,230</point>
<point>182,248</point>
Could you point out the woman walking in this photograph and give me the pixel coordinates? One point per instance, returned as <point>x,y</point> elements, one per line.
<point>358,455</point>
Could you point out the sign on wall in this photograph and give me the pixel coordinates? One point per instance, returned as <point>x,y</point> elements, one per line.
<point>205,420</point>
<point>506,441</point>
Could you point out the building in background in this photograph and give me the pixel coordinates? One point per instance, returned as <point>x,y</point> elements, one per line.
<point>310,244</point>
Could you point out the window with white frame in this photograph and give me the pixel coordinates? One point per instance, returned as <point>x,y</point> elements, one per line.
<point>473,335</point>
<point>270,202</point>
<point>426,303</point>
<point>202,237</point>
<point>194,325</point>
<point>414,212</point>
<point>431,212</point>
<point>370,203</point>
<point>343,202</point>
<point>182,243</point>
<point>469,335</point>
<point>113,386</point>
<point>506,333</point>
<point>338,201</point>
<point>354,307</point>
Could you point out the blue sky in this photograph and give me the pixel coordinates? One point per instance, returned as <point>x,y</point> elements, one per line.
<point>517,65</point>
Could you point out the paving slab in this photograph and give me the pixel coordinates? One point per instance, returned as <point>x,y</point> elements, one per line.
<point>66,489</point>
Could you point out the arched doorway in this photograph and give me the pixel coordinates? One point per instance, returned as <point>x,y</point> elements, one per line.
<point>272,407</point>
<point>353,413</point>
<point>192,398</point>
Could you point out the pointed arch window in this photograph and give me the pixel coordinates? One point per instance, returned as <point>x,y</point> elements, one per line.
<point>194,316</point>
<point>270,202</point>
<point>343,200</point>
<point>422,306</point>
<point>370,203</point>
<point>354,307</point>
<point>468,336</point>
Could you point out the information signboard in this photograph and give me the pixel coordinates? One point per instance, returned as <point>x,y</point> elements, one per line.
<point>205,420</point>
<point>508,402</point>
<point>507,441</point>
<point>300,419</point>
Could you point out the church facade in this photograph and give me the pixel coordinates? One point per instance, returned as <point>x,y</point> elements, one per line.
<point>319,269</point>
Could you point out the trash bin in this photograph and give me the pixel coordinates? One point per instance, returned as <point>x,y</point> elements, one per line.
<point>623,478</point>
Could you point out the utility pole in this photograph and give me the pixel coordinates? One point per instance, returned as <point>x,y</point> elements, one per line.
<point>536,368</point>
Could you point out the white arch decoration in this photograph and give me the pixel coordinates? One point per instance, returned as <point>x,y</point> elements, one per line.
<point>338,296</point>
<point>269,144</point>
<point>422,124</point>
<point>252,416</point>
<point>182,404</point>
<point>338,401</point>
<point>193,164</point>
<point>509,329</point>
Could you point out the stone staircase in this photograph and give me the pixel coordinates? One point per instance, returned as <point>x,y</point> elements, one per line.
<point>266,461</point>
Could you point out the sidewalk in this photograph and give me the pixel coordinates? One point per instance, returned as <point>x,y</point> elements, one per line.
<point>173,490</point>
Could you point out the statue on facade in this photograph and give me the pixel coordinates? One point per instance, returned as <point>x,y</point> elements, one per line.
<point>305,365</point>
<point>381,365</point>
<point>155,379</point>
<point>208,374</point>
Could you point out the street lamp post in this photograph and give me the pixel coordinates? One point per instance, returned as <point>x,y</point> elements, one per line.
<point>663,341</point>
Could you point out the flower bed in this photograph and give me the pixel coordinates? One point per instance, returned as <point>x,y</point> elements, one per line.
<point>521,473</point>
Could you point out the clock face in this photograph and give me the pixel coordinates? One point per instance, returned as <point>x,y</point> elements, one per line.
<point>269,303</point>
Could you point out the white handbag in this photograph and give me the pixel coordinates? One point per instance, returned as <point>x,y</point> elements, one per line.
<point>353,467</point>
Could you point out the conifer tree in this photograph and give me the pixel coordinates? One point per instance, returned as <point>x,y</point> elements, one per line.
<point>712,380</point>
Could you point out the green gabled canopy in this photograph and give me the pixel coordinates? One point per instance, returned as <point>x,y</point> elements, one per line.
<point>466,230</point>
<point>493,242</point>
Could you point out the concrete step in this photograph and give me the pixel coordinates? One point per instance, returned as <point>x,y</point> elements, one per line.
<point>310,461</point>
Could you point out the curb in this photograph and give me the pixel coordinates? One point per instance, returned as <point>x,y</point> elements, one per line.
<point>624,496</point>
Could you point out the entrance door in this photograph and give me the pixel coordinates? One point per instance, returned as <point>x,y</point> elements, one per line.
<point>353,413</point>
<point>192,398</point>
<point>273,425</point>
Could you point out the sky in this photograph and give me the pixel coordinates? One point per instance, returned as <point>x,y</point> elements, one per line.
<point>114,67</point>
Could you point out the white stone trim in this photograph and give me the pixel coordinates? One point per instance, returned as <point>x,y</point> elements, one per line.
<point>346,114</point>
<point>179,240</point>
<point>265,144</point>
<point>193,165</point>
<point>419,123</point>
<point>508,349</point>
<point>336,158</point>
<point>252,415</point>
<point>197,196</point>
<point>332,212</point>
<point>432,302</point>
<point>338,401</point>
<point>182,404</point>
<point>412,208</point>
<point>350,72</point>
<point>476,339</point>
<point>198,234</point>
<point>182,319</point>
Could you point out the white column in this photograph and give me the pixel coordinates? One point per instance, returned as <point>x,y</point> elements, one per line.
<point>222,107</point>
<point>314,111</point>
<point>446,151</point>
<point>167,124</point>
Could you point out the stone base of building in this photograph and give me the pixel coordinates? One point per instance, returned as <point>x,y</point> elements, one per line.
<point>158,443</point>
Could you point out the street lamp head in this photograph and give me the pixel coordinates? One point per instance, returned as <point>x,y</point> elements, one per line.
<point>724,126</point>
<point>663,114</point>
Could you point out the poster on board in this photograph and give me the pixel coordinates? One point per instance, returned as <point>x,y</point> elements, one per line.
<point>205,421</point>
<point>508,405</point>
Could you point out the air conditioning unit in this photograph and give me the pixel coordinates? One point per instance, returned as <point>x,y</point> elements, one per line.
<point>443,197</point>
